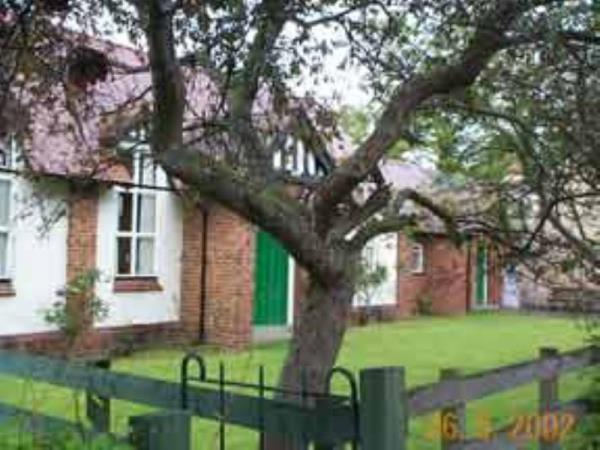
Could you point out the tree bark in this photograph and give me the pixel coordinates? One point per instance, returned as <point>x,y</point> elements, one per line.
<point>317,339</point>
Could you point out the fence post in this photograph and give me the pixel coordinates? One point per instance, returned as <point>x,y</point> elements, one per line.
<point>97,408</point>
<point>383,409</point>
<point>548,399</point>
<point>160,431</point>
<point>452,419</point>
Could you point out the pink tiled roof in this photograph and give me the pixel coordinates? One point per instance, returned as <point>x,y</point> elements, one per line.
<point>406,175</point>
<point>72,132</point>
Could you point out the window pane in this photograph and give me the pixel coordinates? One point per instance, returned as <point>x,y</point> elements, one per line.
<point>3,254</point>
<point>146,213</point>
<point>125,211</point>
<point>4,202</point>
<point>123,256</point>
<point>145,256</point>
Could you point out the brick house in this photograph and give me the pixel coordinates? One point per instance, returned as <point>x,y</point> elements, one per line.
<point>169,271</point>
<point>79,194</point>
<point>427,273</point>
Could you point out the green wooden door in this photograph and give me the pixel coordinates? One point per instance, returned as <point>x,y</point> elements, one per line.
<point>481,280</point>
<point>271,281</point>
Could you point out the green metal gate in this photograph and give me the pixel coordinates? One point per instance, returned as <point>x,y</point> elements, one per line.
<point>271,281</point>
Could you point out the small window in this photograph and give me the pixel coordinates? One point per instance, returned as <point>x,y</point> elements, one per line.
<point>136,231</point>
<point>417,258</point>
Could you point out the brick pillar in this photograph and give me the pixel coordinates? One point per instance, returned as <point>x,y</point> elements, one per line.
<point>230,279</point>
<point>81,252</point>
<point>191,273</point>
<point>83,232</point>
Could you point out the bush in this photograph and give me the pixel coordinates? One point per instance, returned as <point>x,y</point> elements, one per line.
<point>72,321</point>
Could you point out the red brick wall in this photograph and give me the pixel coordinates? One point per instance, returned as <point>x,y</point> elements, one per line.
<point>444,281</point>
<point>447,268</point>
<point>105,341</point>
<point>496,278</point>
<point>191,272</point>
<point>82,232</point>
<point>81,245</point>
<point>230,279</point>
<point>409,286</point>
<point>449,276</point>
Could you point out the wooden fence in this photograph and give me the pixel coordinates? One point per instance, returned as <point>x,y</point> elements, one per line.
<point>453,392</point>
<point>385,408</point>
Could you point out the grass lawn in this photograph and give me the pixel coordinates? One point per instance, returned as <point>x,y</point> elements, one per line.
<point>423,346</point>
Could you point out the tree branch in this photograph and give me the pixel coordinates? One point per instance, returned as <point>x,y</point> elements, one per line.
<point>488,39</point>
<point>272,208</point>
<point>393,220</point>
<point>375,227</point>
<point>167,82</point>
<point>375,203</point>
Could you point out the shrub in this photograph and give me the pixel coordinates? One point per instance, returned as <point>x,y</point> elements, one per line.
<point>70,320</point>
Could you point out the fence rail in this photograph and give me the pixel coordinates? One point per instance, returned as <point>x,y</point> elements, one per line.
<point>430,398</point>
<point>325,423</point>
<point>378,420</point>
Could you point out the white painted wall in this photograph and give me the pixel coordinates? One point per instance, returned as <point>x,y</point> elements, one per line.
<point>141,307</point>
<point>383,251</point>
<point>38,260</point>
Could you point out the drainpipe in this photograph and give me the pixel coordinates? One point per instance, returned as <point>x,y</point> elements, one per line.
<point>203,276</point>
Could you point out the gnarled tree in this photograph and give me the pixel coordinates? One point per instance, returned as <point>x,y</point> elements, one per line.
<point>419,56</point>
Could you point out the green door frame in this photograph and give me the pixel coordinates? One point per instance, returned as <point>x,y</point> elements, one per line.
<point>481,275</point>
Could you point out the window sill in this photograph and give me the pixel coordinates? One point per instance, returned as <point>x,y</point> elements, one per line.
<point>7,289</point>
<point>417,274</point>
<point>136,284</point>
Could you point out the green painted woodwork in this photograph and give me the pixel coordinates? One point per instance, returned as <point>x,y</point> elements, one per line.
<point>318,424</point>
<point>481,275</point>
<point>271,281</point>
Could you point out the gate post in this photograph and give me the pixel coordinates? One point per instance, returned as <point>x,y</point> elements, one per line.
<point>383,409</point>
<point>160,431</point>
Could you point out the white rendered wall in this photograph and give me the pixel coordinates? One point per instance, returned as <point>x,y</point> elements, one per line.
<point>37,259</point>
<point>135,308</point>
<point>383,251</point>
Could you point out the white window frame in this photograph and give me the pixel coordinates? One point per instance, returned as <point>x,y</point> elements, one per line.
<point>137,191</point>
<point>416,248</point>
<point>7,176</point>
<point>7,230</point>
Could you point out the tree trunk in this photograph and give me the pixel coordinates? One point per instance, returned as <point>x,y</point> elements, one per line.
<point>317,339</point>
